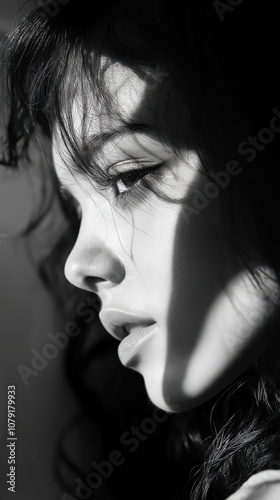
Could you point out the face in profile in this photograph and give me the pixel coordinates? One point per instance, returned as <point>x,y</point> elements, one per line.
<point>171,288</point>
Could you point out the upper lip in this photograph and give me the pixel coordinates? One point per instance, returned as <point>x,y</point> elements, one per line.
<point>119,322</point>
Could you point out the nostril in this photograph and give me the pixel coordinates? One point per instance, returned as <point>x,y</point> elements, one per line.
<point>111,277</point>
<point>92,269</point>
<point>118,276</point>
<point>92,283</point>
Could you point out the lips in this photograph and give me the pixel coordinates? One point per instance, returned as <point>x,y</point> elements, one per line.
<point>120,323</point>
<point>133,344</point>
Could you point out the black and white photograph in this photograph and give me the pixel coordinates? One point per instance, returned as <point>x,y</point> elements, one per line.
<point>139,250</point>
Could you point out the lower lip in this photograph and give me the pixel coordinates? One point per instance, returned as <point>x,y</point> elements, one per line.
<point>132,342</point>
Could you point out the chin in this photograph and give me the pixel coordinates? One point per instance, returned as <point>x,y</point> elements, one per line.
<point>166,402</point>
<point>171,399</point>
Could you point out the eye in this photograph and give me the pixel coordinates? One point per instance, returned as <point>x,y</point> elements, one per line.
<point>127,182</point>
<point>130,178</point>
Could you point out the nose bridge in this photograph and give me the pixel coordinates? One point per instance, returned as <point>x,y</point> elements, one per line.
<point>95,259</point>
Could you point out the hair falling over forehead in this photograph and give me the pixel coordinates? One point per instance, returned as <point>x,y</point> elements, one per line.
<point>60,60</point>
<point>57,60</point>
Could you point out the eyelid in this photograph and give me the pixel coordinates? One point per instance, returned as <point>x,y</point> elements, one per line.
<point>138,163</point>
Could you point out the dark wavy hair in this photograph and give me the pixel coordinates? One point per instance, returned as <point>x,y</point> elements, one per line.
<point>222,91</point>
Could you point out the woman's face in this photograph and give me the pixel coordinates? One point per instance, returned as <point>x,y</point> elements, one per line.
<point>170,286</point>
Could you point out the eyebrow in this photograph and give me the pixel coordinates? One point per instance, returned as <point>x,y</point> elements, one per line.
<point>97,141</point>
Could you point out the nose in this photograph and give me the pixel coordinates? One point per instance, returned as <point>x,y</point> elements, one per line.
<point>94,267</point>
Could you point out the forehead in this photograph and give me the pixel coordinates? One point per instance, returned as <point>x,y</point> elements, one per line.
<point>131,101</point>
<point>126,88</point>
<point>127,100</point>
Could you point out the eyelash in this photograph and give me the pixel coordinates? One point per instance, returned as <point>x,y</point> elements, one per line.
<point>145,172</point>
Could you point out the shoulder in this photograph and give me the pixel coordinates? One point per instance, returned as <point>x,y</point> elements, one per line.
<point>264,485</point>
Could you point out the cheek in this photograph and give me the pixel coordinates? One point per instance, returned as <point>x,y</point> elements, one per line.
<point>233,333</point>
<point>185,270</point>
<point>189,275</point>
<point>153,249</point>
